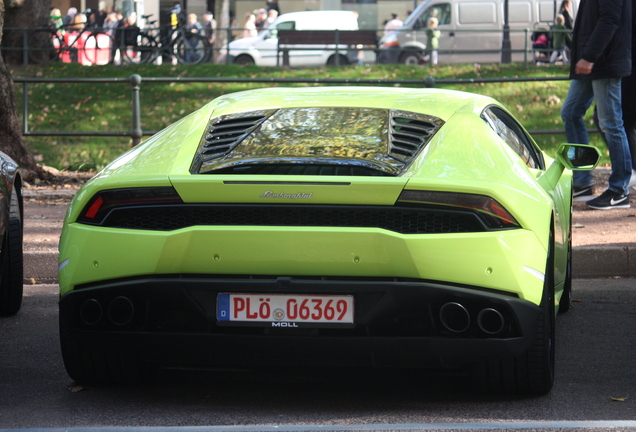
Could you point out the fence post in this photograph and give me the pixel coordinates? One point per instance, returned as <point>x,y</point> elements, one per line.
<point>228,39</point>
<point>337,37</point>
<point>525,48</point>
<point>136,133</point>
<point>25,45</point>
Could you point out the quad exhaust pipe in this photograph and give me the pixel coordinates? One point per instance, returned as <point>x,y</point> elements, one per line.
<point>91,312</point>
<point>120,311</point>
<point>456,318</point>
<point>490,321</point>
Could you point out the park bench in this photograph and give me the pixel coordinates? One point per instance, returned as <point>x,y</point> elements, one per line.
<point>337,40</point>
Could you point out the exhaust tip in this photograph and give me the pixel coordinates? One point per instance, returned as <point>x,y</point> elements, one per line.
<point>490,321</point>
<point>91,312</point>
<point>455,317</point>
<point>121,311</point>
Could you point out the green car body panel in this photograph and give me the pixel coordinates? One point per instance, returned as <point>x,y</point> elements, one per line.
<point>165,160</point>
<point>464,155</point>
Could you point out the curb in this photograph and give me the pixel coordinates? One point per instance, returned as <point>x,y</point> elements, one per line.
<point>603,262</point>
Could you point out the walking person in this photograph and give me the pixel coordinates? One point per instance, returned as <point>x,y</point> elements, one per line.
<point>560,38</point>
<point>432,41</point>
<point>193,28</point>
<point>601,56</point>
<point>394,24</point>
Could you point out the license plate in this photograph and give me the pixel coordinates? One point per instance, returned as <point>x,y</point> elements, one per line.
<point>284,310</point>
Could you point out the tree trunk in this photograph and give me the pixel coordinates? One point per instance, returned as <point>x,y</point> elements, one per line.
<point>222,15</point>
<point>11,141</point>
<point>20,14</point>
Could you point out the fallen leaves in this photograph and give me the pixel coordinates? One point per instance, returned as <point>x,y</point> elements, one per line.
<point>619,399</point>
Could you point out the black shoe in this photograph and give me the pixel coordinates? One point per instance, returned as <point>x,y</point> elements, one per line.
<point>584,193</point>
<point>609,200</point>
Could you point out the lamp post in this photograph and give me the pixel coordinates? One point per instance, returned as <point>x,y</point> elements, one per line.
<point>506,55</point>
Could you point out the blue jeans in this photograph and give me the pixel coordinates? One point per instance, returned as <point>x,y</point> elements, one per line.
<point>607,93</point>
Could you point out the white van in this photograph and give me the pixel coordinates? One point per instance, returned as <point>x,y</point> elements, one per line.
<point>471,30</point>
<point>262,50</point>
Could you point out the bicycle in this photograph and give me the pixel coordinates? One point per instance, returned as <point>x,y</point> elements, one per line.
<point>146,46</point>
<point>71,42</point>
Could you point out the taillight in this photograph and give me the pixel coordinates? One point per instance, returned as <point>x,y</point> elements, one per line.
<point>105,201</point>
<point>493,214</point>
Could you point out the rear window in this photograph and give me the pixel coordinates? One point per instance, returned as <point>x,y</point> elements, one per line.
<point>379,139</point>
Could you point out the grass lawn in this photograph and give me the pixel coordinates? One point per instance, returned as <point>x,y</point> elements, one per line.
<point>105,107</point>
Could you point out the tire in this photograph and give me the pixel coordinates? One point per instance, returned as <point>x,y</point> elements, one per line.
<point>533,371</point>
<point>566,297</point>
<point>146,50</point>
<point>44,47</point>
<point>191,49</point>
<point>95,364</point>
<point>344,61</point>
<point>244,60</point>
<point>98,49</point>
<point>12,271</point>
<point>411,58</point>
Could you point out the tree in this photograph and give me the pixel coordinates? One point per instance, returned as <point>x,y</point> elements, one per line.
<point>11,141</point>
<point>222,14</point>
<point>21,14</point>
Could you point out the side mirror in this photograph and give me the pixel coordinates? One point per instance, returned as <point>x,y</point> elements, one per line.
<point>579,157</point>
<point>576,157</point>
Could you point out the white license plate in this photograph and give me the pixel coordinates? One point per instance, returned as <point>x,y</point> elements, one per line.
<point>286,309</point>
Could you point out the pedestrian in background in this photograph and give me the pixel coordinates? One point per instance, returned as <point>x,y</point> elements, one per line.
<point>69,16</point>
<point>394,24</point>
<point>432,41</point>
<point>209,27</point>
<point>601,56</point>
<point>249,27</point>
<point>55,19</point>
<point>560,36</point>
<point>272,14</point>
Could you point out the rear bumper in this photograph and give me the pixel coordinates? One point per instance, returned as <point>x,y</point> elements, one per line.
<point>173,322</point>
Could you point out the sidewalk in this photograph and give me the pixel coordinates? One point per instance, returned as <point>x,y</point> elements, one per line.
<point>604,241</point>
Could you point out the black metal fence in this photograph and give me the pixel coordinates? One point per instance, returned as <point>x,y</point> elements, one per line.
<point>528,52</point>
<point>136,133</point>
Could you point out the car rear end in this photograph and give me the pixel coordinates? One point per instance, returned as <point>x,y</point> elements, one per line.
<point>289,244</point>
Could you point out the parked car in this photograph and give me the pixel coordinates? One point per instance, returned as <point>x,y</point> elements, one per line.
<point>263,50</point>
<point>11,217</point>
<point>325,225</point>
<point>471,30</point>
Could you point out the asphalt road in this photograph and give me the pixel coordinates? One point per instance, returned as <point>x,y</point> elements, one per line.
<point>596,362</point>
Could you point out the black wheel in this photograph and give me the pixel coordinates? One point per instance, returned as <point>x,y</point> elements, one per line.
<point>145,50</point>
<point>533,371</point>
<point>411,58</point>
<point>566,297</point>
<point>244,60</point>
<point>98,48</point>
<point>11,277</point>
<point>191,48</point>
<point>44,46</point>
<point>87,363</point>
<point>342,59</point>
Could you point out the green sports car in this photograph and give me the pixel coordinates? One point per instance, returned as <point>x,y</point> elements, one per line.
<point>361,226</point>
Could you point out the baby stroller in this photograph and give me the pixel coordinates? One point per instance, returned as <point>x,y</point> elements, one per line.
<point>541,45</point>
